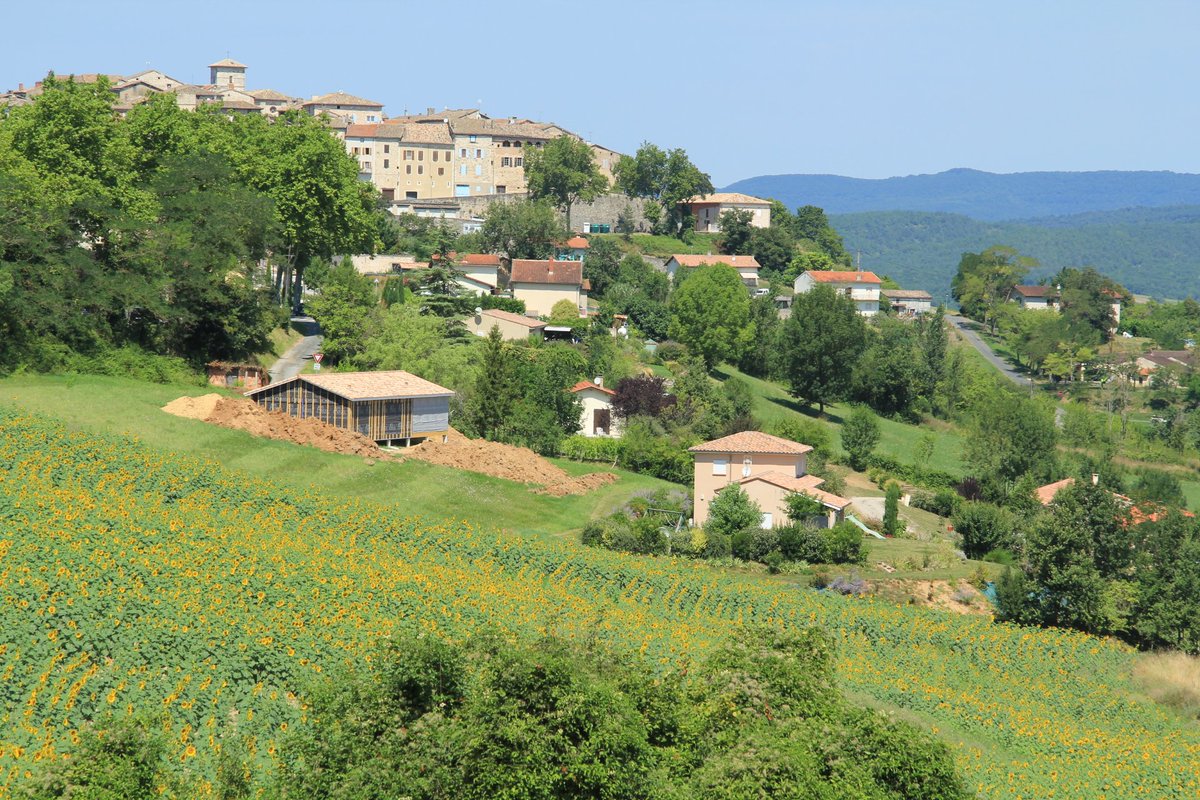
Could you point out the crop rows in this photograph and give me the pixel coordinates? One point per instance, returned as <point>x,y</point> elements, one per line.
<point>137,581</point>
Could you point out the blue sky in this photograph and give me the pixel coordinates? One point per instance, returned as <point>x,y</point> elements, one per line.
<point>865,88</point>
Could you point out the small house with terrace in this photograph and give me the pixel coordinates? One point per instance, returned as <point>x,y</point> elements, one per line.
<point>861,287</point>
<point>768,468</point>
<point>907,302</point>
<point>747,266</point>
<point>512,327</point>
<point>541,284</point>
<point>573,249</point>
<point>386,407</point>
<point>707,210</point>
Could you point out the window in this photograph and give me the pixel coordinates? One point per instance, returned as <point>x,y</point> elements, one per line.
<point>766,520</point>
<point>408,155</point>
<point>747,464</point>
<point>387,148</point>
<point>478,153</point>
<point>420,155</point>
<point>478,170</point>
<point>420,169</point>
<point>462,152</point>
<point>501,189</point>
<point>366,151</point>
<point>411,195</point>
<point>386,163</point>
<point>720,466</point>
<point>441,170</point>
<point>518,162</point>
<point>435,155</point>
<point>408,169</point>
<point>471,137</point>
<point>356,151</point>
<point>506,162</point>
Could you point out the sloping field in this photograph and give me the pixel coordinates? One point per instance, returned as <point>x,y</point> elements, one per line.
<point>132,579</point>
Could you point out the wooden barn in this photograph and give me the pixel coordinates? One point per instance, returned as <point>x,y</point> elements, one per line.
<point>231,375</point>
<point>388,407</point>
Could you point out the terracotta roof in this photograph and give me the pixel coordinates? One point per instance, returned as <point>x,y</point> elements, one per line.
<point>227,62</point>
<point>577,242</point>
<point>737,262</point>
<point>342,99</point>
<point>728,197</point>
<point>906,294</point>
<point>751,442</point>
<point>239,105</point>
<point>843,277</point>
<point>805,484</point>
<point>508,316</point>
<point>369,385</point>
<point>269,95</point>
<point>1036,291</point>
<point>480,259</point>
<point>557,272</point>
<point>1045,494</point>
<point>364,131</point>
<point>585,385</point>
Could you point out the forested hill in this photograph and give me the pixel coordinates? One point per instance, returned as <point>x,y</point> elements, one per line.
<point>980,195</point>
<point>1151,251</point>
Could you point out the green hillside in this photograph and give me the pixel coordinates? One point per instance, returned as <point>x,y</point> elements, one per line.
<point>136,579</point>
<point>1151,251</point>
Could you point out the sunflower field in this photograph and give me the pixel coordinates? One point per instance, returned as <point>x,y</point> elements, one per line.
<point>137,581</point>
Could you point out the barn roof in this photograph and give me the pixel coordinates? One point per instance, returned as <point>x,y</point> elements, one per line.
<point>368,385</point>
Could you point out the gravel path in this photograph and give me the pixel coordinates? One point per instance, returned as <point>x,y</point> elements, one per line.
<point>290,364</point>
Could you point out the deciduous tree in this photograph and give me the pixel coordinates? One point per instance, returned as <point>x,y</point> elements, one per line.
<point>710,313</point>
<point>819,344</point>
<point>564,172</point>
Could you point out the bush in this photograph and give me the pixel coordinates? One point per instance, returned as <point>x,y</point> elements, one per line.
<point>1000,556</point>
<point>943,502</point>
<point>717,545</point>
<point>983,527</point>
<point>805,431</point>
<point>892,524</point>
<point>774,562</point>
<point>591,448</point>
<point>732,512</point>
<point>845,543</point>
<point>669,351</point>
<point>742,545</point>
<point>803,543</point>
<point>764,541</point>
<point>860,435</point>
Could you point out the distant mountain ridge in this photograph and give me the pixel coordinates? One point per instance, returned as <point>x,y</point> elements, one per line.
<point>981,195</point>
<point>1153,251</point>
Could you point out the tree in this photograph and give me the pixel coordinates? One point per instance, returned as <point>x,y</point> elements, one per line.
<point>1086,303</point>
<point>820,341</point>
<point>521,229</point>
<point>802,508</point>
<point>735,231</point>
<point>888,375</point>
<point>758,359</point>
<point>1167,610</point>
<point>984,527</point>
<point>860,435</point>
<point>892,525</point>
<point>772,249</point>
<point>344,308</point>
<point>811,224</point>
<point>710,313</point>
<point>984,281</point>
<point>495,390</point>
<point>641,395</point>
<point>667,178</point>
<point>602,265</point>
<point>1007,436</point>
<point>934,343</point>
<point>564,172</point>
<point>732,511</point>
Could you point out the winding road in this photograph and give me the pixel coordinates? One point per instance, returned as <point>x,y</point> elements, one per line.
<point>966,328</point>
<point>291,362</point>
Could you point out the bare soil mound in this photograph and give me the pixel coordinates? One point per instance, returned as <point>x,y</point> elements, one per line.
<point>518,464</point>
<point>245,415</point>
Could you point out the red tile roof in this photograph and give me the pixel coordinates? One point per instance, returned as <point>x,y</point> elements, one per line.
<point>569,273</point>
<point>844,277</point>
<point>480,260</point>
<point>1036,291</point>
<point>805,484</point>
<point>751,442</point>
<point>1045,494</point>
<point>577,242</point>
<point>508,316</point>
<point>583,385</point>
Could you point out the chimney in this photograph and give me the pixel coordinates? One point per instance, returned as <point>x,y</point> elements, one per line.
<point>20,87</point>
<point>1095,479</point>
<point>429,110</point>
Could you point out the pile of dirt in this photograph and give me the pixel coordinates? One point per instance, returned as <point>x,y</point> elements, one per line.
<point>245,415</point>
<point>518,464</point>
<point>958,596</point>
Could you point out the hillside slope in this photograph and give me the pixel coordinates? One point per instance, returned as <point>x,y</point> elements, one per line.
<point>1151,251</point>
<point>138,579</point>
<point>980,195</point>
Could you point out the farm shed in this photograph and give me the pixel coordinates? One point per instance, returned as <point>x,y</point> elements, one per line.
<point>230,375</point>
<point>383,406</point>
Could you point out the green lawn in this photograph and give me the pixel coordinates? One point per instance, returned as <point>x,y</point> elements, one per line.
<point>897,439</point>
<point>121,406</point>
<point>663,246</point>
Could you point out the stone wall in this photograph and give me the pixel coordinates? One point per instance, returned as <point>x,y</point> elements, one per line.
<point>603,210</point>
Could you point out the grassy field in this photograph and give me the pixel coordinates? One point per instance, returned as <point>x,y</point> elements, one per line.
<point>897,439</point>
<point>115,405</point>
<point>135,580</point>
<point>664,246</point>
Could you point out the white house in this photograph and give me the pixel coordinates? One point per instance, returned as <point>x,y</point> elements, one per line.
<point>707,209</point>
<point>541,284</point>
<point>747,266</point>
<point>1037,298</point>
<point>861,287</point>
<point>597,418</point>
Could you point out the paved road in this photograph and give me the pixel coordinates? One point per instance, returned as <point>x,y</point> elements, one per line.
<point>966,328</point>
<point>290,364</point>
